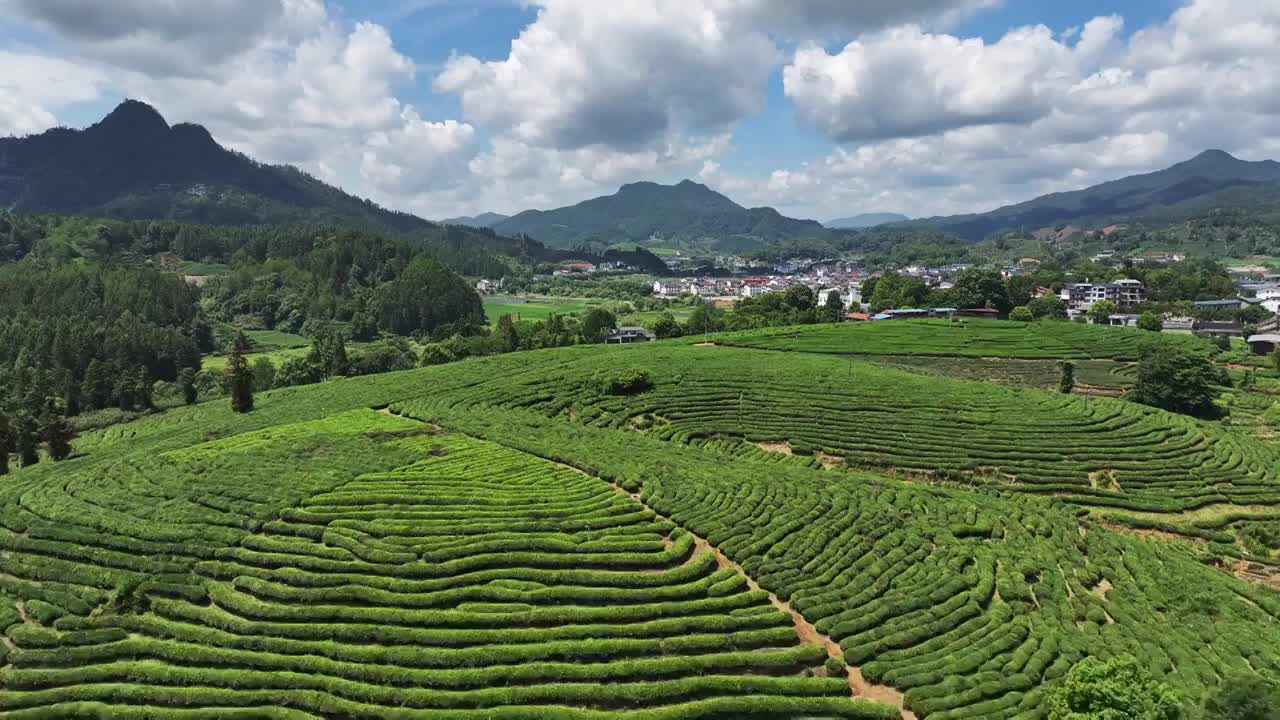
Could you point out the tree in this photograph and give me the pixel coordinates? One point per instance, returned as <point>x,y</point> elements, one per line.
<point>705,318</point>
<point>596,323</point>
<point>26,439</point>
<point>237,377</point>
<point>363,327</point>
<point>1101,311</point>
<point>1150,321</point>
<point>187,382</point>
<point>834,309</point>
<point>508,336</point>
<point>800,298</point>
<point>1116,689</point>
<point>1275,360</point>
<point>1244,697</point>
<point>1021,313</point>
<point>6,444</point>
<point>98,385</point>
<point>666,327</point>
<point>1048,307</point>
<point>264,374</point>
<point>56,433</point>
<point>980,288</point>
<point>1173,379</point>
<point>1067,378</point>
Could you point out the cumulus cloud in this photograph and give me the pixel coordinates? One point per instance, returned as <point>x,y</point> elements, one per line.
<point>622,77</point>
<point>905,82</point>
<point>32,86</point>
<point>930,123</point>
<point>417,156</point>
<point>163,37</point>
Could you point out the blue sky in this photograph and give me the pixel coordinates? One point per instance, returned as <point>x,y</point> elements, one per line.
<point>822,108</point>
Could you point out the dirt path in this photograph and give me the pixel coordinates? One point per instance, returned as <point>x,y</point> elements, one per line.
<point>1158,534</point>
<point>807,631</point>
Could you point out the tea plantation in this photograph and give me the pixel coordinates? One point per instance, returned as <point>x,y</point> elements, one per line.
<point>660,531</point>
<point>963,338</point>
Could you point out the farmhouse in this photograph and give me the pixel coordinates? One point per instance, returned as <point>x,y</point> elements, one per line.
<point>1264,344</point>
<point>629,334</point>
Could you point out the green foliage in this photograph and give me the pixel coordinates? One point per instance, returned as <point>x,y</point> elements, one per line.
<point>237,377</point>
<point>264,374</point>
<point>187,386</point>
<point>1173,379</point>
<point>596,324</point>
<point>1048,307</point>
<point>625,382</point>
<point>893,291</point>
<point>1101,311</point>
<point>1067,379</point>
<point>1244,697</point>
<point>1021,313</point>
<point>979,288</point>
<point>1116,689</point>
<point>1150,322</point>
<point>833,311</point>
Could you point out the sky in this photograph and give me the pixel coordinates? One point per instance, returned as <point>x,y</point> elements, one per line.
<point>820,108</point>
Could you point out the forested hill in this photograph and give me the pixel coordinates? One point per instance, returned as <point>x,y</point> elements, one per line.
<point>133,165</point>
<point>678,214</point>
<point>1210,181</point>
<point>94,312</point>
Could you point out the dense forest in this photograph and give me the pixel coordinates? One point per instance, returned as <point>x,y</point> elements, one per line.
<point>93,313</point>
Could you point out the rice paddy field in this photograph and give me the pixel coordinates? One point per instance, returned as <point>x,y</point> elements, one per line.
<point>743,534</point>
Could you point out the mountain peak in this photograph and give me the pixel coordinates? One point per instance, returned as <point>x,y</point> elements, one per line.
<point>135,114</point>
<point>1214,154</point>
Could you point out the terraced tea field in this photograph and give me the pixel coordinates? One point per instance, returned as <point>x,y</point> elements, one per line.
<point>1092,451</point>
<point>963,338</point>
<point>521,536</point>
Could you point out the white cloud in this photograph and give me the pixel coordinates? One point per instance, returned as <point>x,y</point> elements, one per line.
<point>418,156</point>
<point>33,86</point>
<point>932,123</point>
<point>905,82</point>
<point>164,37</point>
<point>622,76</point>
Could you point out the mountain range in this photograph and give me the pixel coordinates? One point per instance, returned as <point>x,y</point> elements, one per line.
<point>1211,180</point>
<point>865,220</point>
<point>483,220</point>
<point>133,165</point>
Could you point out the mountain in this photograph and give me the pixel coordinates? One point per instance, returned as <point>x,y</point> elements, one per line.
<point>133,165</point>
<point>1211,180</point>
<point>865,220</point>
<point>687,213</point>
<point>483,220</point>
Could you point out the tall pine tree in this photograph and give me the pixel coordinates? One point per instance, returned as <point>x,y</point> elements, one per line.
<point>237,376</point>
<point>6,444</point>
<point>27,439</point>
<point>56,433</point>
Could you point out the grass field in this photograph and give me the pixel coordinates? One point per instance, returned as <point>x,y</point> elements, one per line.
<point>513,538</point>
<point>534,308</point>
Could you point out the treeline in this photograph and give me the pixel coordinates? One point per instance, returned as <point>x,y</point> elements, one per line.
<point>94,335</point>
<point>93,316</point>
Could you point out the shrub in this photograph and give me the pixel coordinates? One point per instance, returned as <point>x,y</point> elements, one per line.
<point>625,382</point>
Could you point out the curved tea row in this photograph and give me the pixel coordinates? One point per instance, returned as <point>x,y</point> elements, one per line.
<point>475,582</point>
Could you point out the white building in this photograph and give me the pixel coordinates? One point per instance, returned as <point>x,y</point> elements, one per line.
<point>1125,293</point>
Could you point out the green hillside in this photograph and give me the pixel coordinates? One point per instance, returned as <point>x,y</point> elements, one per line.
<point>657,531</point>
<point>1209,181</point>
<point>683,214</point>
